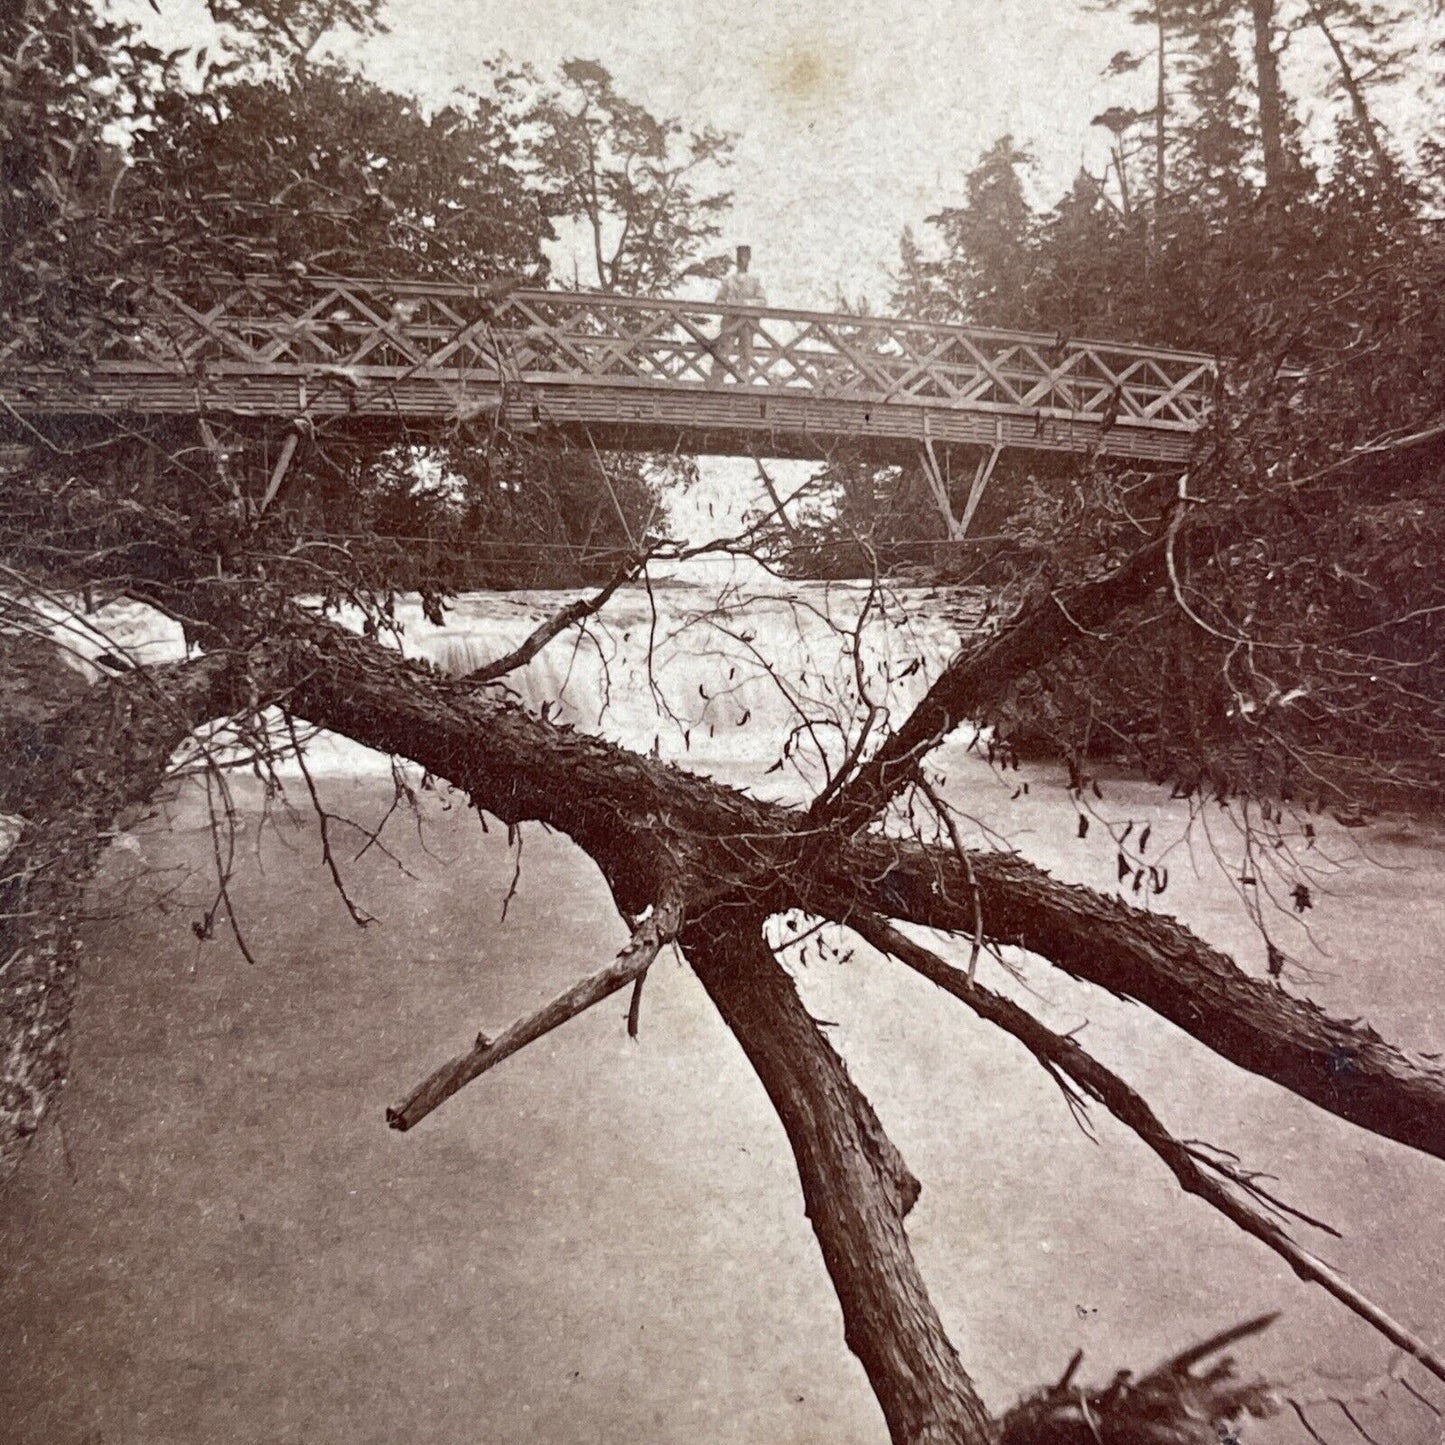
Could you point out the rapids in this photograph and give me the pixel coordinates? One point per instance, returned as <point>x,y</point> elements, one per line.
<point>711,669</point>
<point>717,665</point>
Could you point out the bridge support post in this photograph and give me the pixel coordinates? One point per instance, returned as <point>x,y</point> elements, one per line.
<point>981,479</point>
<point>938,485</point>
<point>283,463</point>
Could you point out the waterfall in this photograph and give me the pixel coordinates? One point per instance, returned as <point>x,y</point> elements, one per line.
<point>708,676</point>
<point>710,667</point>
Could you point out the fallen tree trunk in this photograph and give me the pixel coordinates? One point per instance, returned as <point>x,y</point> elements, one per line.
<point>856,1188</point>
<point>645,822</point>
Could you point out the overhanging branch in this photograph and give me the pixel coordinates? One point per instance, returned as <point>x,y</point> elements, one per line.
<point>1066,1055</point>
<point>1343,1067</point>
<point>1051,621</point>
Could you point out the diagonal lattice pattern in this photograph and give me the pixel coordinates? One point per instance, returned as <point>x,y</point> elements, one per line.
<point>419,351</point>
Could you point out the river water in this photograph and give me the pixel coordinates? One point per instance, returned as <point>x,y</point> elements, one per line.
<point>219,1240</point>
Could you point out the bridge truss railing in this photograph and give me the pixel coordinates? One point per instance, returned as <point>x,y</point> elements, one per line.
<point>355,338</point>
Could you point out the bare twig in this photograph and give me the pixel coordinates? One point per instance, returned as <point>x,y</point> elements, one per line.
<point>359,916</point>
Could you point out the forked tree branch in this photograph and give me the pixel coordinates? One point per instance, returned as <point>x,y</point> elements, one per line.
<point>983,673</point>
<point>1050,622</point>
<point>643,822</point>
<point>1064,1054</point>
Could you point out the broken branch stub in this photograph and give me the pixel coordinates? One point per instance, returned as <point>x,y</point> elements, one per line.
<point>659,929</point>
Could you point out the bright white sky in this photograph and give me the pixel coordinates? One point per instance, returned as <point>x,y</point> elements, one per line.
<point>852,119</point>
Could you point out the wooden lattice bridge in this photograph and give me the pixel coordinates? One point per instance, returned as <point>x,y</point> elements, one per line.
<point>629,372</point>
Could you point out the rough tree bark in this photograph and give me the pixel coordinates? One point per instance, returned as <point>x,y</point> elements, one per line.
<point>856,1188</point>
<point>647,824</point>
<point>1342,1066</point>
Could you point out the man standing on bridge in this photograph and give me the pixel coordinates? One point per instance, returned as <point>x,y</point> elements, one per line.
<point>733,350</point>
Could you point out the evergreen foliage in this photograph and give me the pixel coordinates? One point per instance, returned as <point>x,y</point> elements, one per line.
<point>1302,655</point>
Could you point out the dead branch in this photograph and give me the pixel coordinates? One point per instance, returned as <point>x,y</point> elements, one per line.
<point>1170,1405</point>
<point>1186,1359</point>
<point>554,626</point>
<point>647,940</point>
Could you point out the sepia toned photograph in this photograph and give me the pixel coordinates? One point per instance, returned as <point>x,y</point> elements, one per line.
<point>722,724</point>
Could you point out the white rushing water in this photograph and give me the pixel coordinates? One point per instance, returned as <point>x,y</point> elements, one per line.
<point>715,665</point>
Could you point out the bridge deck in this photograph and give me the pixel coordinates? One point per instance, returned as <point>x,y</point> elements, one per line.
<point>628,371</point>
